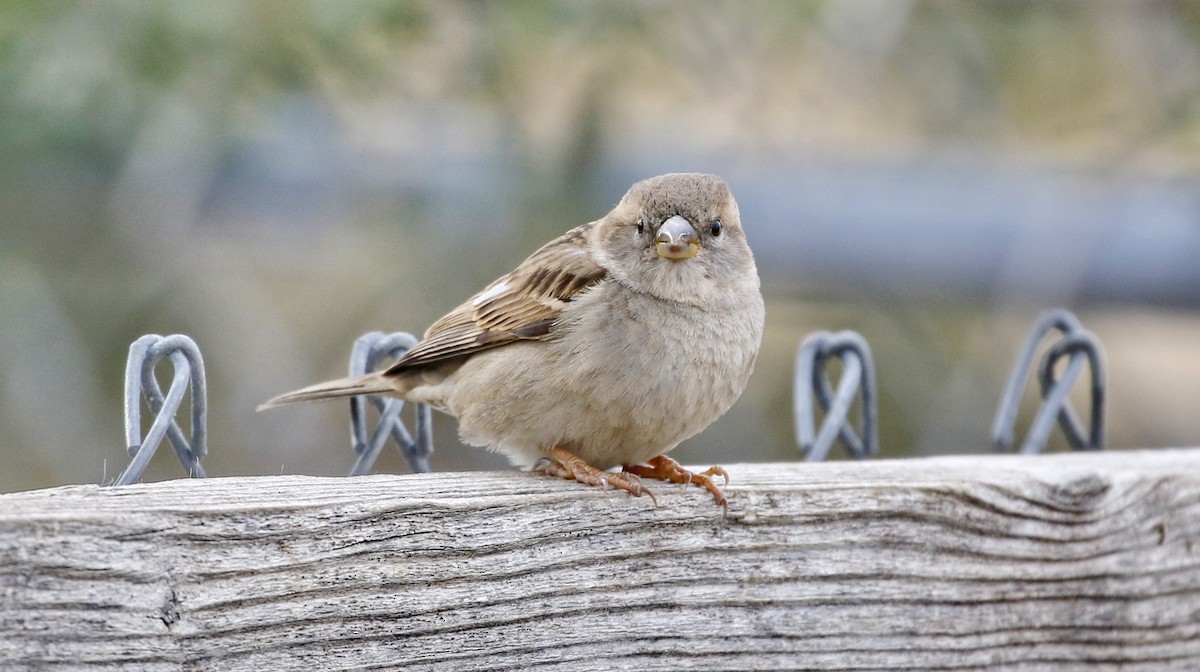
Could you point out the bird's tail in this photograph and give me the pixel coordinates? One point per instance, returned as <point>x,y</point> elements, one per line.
<point>372,383</point>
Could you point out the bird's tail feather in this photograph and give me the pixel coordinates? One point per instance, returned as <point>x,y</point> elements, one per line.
<point>372,383</point>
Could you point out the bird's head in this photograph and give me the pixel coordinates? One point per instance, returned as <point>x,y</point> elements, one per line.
<point>677,236</point>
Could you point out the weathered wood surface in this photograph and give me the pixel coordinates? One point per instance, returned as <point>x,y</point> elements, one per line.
<point>1065,562</point>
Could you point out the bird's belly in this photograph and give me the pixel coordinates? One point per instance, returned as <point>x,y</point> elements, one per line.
<point>606,423</point>
<point>614,392</point>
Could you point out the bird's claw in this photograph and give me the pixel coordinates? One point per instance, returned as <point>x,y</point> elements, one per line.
<point>664,468</point>
<point>562,463</point>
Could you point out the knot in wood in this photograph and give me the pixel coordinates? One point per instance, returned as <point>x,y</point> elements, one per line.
<point>1081,492</point>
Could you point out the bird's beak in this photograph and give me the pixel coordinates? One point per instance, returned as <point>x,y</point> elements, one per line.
<point>677,239</point>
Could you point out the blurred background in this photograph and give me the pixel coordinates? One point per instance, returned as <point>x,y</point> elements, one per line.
<point>276,178</point>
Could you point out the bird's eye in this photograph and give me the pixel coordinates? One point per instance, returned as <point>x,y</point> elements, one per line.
<point>715,228</point>
<point>641,224</point>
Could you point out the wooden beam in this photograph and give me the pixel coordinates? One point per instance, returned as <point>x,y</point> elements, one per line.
<point>1062,562</point>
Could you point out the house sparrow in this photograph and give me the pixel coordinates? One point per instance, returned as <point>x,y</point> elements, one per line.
<point>606,347</point>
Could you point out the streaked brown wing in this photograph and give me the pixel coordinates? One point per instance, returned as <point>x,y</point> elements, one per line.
<point>522,305</point>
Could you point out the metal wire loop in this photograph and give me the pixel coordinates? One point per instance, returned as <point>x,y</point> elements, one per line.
<point>368,351</point>
<point>858,373</point>
<point>1082,348</point>
<point>144,354</point>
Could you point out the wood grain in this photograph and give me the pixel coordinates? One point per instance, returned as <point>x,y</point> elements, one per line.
<point>1064,562</point>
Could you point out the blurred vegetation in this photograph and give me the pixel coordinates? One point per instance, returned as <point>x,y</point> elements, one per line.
<point>275,178</point>
<point>1077,79</point>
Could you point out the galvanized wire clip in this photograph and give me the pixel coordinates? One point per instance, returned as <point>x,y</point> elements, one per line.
<point>144,354</point>
<point>858,373</point>
<point>368,350</point>
<point>1082,347</point>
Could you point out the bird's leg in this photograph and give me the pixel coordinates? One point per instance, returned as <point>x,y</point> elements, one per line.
<point>664,468</point>
<point>562,463</point>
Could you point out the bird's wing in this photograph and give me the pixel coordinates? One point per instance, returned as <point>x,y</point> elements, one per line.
<point>521,305</point>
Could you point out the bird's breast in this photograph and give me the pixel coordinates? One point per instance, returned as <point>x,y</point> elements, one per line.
<point>677,365</point>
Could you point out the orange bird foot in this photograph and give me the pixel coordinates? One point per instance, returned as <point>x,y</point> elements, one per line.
<point>562,463</point>
<point>666,469</point>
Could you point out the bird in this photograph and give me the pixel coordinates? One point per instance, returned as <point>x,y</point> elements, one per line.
<point>607,347</point>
